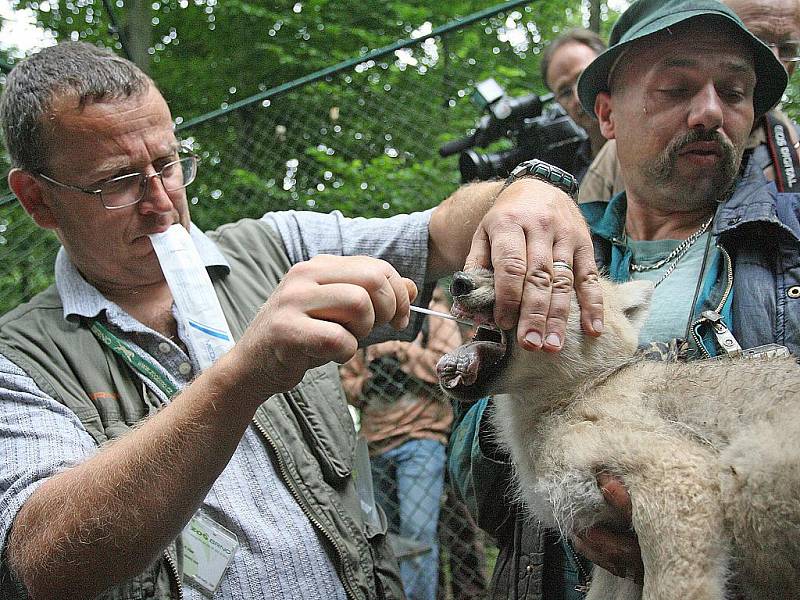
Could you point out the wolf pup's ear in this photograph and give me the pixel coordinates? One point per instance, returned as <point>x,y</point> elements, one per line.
<point>634,300</point>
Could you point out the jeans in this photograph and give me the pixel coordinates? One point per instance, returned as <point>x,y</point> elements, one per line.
<point>409,481</point>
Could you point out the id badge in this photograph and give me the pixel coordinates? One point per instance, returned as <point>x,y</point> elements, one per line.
<point>207,551</point>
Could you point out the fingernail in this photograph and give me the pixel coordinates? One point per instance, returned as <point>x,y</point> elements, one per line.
<point>553,340</point>
<point>597,325</point>
<point>405,321</point>
<point>534,339</point>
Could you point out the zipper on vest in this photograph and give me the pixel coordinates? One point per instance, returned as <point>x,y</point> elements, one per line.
<point>584,579</point>
<point>291,487</point>
<point>174,571</point>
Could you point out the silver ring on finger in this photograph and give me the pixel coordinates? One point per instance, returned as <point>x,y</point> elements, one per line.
<point>560,265</point>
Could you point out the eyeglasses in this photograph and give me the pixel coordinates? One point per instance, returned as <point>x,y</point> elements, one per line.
<point>788,51</point>
<point>566,92</point>
<point>127,190</point>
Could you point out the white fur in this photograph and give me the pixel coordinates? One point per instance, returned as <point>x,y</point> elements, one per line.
<point>709,451</point>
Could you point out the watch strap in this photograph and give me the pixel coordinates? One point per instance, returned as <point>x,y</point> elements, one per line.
<point>538,169</point>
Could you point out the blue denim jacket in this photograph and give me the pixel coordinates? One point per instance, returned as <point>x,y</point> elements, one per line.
<point>753,283</point>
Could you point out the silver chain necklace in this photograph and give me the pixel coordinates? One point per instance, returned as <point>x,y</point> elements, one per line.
<point>675,256</point>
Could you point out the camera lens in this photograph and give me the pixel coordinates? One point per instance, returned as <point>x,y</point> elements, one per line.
<point>482,167</point>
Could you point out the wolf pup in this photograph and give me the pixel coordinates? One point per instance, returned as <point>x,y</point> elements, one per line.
<point>709,450</point>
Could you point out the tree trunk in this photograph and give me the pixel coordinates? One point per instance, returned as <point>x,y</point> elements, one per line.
<point>138,32</point>
<point>594,15</point>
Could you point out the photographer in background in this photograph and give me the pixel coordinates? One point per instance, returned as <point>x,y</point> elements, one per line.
<point>406,422</point>
<point>560,132</point>
<point>563,61</point>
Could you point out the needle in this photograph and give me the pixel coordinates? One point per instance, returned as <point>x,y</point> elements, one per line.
<point>436,313</point>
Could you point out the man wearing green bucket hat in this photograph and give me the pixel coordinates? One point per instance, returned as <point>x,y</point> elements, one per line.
<point>648,23</point>
<point>777,24</point>
<point>678,89</point>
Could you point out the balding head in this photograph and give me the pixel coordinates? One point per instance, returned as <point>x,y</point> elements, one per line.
<point>775,22</point>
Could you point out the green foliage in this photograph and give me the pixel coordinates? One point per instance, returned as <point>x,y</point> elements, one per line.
<point>27,256</point>
<point>362,140</point>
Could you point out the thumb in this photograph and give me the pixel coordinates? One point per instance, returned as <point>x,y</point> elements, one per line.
<point>412,289</point>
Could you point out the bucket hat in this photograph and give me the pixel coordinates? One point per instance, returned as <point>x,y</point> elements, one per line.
<point>645,18</point>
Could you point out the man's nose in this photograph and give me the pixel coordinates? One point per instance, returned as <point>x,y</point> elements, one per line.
<point>155,199</point>
<point>706,107</point>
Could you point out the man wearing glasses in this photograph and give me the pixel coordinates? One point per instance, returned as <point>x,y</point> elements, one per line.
<point>777,24</point>
<point>128,470</point>
<point>563,61</point>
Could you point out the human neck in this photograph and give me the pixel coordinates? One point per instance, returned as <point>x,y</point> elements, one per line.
<point>596,141</point>
<point>648,223</point>
<point>149,304</point>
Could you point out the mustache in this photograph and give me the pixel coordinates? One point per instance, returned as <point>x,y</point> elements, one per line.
<point>704,135</point>
<point>664,165</point>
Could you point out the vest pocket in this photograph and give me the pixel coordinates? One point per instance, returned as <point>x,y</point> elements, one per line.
<point>320,408</point>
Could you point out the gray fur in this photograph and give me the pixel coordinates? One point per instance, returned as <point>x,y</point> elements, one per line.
<point>709,451</point>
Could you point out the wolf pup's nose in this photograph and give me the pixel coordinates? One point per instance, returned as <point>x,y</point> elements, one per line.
<point>462,284</point>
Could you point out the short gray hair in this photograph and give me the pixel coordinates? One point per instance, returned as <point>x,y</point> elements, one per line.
<point>69,69</point>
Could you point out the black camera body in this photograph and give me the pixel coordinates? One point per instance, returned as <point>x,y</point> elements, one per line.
<point>538,130</point>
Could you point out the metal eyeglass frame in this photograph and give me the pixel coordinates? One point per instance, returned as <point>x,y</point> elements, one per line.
<point>140,176</point>
<point>794,45</point>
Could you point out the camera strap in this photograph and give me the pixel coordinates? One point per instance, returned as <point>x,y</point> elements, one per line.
<point>783,153</point>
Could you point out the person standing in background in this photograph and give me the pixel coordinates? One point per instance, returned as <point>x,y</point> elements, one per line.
<point>563,61</point>
<point>406,421</point>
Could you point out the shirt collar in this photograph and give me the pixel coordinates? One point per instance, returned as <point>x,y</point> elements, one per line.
<point>606,219</point>
<point>81,299</point>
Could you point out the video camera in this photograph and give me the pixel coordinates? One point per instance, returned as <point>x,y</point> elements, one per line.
<point>537,129</point>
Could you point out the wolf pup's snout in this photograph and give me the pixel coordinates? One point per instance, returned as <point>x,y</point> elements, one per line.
<point>469,370</point>
<point>462,284</point>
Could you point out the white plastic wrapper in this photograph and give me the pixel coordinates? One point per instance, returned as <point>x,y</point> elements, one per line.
<point>196,301</point>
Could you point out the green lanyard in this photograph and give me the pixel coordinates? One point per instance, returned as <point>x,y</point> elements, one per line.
<point>145,367</point>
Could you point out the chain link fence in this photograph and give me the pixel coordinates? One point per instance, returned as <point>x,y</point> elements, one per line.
<point>404,418</point>
<point>361,137</point>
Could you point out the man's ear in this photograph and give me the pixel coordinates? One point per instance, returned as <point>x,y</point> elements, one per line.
<point>29,190</point>
<point>602,108</point>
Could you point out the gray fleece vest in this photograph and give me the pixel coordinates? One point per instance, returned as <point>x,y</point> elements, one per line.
<point>309,429</point>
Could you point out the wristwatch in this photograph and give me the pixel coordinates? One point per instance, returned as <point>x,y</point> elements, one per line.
<point>538,169</point>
